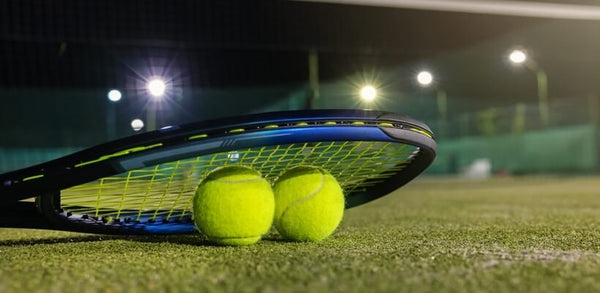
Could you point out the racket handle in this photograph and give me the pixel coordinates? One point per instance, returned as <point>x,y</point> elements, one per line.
<point>22,215</point>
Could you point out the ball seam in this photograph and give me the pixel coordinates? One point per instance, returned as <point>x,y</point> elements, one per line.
<point>304,199</point>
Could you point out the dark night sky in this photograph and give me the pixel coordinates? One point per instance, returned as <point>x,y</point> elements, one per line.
<point>223,43</point>
<point>83,46</point>
<point>215,44</point>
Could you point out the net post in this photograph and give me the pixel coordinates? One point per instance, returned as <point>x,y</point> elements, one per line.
<point>519,120</point>
<point>313,79</point>
<point>594,112</point>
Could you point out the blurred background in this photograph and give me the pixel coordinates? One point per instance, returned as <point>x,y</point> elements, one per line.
<point>508,87</point>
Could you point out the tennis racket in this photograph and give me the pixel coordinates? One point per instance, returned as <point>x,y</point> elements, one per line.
<point>144,184</point>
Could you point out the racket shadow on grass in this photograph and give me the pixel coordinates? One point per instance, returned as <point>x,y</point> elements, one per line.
<point>196,240</point>
<point>59,240</point>
<point>192,239</point>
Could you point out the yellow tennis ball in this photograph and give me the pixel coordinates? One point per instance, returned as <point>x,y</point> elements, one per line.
<point>309,204</point>
<point>234,205</point>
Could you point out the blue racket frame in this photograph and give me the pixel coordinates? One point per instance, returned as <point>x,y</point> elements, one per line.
<point>44,181</point>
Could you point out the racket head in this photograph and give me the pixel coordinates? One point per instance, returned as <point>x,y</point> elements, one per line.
<point>144,184</point>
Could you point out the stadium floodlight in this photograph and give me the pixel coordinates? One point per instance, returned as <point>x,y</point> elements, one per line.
<point>114,95</point>
<point>517,57</point>
<point>368,93</point>
<point>156,87</point>
<point>424,78</point>
<point>137,124</point>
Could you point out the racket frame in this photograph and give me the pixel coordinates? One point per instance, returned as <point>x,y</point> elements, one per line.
<point>44,181</point>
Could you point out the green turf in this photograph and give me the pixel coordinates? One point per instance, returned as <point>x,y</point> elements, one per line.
<point>503,235</point>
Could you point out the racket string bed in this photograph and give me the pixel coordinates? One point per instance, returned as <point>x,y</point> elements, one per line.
<point>163,192</point>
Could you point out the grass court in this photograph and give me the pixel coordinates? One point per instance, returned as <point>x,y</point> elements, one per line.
<point>523,234</point>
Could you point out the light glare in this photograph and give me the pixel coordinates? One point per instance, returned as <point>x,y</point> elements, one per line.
<point>137,124</point>
<point>368,93</point>
<point>517,56</point>
<point>156,87</point>
<point>114,95</point>
<point>424,78</point>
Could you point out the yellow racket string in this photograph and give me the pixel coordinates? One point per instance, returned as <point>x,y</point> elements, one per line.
<point>164,191</point>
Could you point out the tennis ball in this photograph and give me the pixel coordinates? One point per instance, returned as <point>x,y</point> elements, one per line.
<point>234,205</point>
<point>309,204</point>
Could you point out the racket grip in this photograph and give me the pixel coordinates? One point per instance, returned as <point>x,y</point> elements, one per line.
<point>22,215</point>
